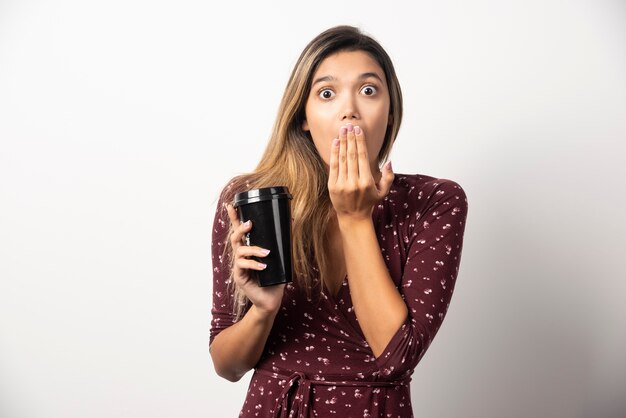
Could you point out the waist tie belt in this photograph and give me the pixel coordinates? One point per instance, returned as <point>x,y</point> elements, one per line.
<point>300,404</point>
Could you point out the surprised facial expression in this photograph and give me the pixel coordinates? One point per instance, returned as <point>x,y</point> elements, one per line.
<point>348,87</point>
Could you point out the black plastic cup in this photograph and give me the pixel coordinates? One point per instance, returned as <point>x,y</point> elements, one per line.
<point>269,210</point>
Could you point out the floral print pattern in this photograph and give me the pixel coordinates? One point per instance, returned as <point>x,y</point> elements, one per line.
<point>316,361</point>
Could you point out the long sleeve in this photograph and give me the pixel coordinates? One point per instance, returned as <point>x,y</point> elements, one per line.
<point>222,308</point>
<point>433,241</point>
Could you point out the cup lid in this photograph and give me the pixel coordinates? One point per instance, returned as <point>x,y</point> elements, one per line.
<point>258,195</point>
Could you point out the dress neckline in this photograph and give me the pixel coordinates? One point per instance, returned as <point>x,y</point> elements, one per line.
<point>335,297</point>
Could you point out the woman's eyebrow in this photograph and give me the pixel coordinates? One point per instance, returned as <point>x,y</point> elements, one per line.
<point>327,78</point>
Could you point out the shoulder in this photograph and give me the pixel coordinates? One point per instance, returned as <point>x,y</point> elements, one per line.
<point>416,194</point>
<point>230,188</point>
<point>233,186</point>
<point>413,188</point>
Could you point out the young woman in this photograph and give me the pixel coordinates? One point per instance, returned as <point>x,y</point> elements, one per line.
<point>376,254</point>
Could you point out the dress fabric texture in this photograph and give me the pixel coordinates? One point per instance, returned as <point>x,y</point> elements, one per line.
<point>316,361</point>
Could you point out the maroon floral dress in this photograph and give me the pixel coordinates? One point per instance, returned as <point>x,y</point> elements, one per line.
<point>316,362</point>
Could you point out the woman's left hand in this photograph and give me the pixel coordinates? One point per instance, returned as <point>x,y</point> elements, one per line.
<point>353,190</point>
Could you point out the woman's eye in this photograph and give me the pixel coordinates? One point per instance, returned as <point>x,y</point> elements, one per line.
<point>326,94</point>
<point>368,90</point>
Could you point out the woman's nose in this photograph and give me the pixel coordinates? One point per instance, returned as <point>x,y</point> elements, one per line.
<point>350,110</point>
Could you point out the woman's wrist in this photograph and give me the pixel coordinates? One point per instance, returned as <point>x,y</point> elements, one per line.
<point>348,223</point>
<point>263,316</point>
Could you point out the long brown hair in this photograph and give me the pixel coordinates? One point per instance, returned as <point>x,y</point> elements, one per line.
<point>291,159</point>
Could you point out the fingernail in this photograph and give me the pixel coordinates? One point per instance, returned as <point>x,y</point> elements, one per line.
<point>262,266</point>
<point>265,252</point>
<point>335,142</point>
<point>357,130</point>
<point>343,130</point>
<point>247,223</point>
<point>389,166</point>
<point>350,127</point>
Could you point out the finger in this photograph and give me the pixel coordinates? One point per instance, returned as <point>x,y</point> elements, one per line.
<point>232,214</point>
<point>361,146</point>
<point>334,162</point>
<point>244,263</point>
<point>251,251</point>
<point>234,223</point>
<point>239,232</point>
<point>343,149</point>
<point>352,161</point>
<point>384,184</point>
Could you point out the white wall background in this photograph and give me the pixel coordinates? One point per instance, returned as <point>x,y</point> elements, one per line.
<point>120,121</point>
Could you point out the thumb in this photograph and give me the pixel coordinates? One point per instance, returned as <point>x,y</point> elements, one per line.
<point>384,184</point>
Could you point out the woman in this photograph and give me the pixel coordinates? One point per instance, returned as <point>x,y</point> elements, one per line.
<point>376,254</point>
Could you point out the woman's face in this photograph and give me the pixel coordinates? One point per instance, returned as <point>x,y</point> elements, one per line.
<point>348,87</point>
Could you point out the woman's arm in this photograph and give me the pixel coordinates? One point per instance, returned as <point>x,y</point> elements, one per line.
<point>238,348</point>
<point>235,347</point>
<point>378,305</point>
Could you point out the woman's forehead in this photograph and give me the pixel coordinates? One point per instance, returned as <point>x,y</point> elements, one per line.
<point>348,64</point>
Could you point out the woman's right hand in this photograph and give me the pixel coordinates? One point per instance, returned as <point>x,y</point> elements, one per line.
<point>266,299</point>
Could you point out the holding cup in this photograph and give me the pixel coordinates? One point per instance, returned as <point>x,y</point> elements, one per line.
<point>269,210</point>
